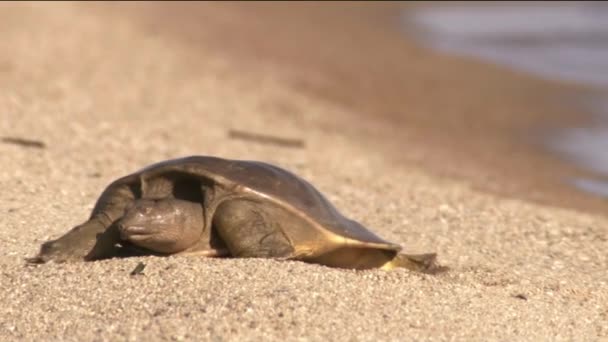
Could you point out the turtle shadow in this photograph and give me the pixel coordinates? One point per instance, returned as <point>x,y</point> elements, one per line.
<point>108,245</point>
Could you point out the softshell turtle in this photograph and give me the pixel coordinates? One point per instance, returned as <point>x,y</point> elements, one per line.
<point>209,206</point>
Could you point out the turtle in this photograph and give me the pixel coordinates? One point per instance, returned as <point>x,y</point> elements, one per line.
<point>214,207</point>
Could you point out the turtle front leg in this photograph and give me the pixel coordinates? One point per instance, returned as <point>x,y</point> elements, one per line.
<point>95,239</point>
<point>89,241</point>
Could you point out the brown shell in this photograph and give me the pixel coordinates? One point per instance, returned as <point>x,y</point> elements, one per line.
<point>268,181</point>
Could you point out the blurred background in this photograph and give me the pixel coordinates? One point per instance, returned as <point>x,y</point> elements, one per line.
<point>565,41</point>
<point>508,95</point>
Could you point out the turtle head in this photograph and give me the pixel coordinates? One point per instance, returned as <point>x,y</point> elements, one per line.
<point>163,226</point>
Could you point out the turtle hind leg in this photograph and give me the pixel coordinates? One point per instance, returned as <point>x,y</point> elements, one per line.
<point>249,230</point>
<point>424,263</point>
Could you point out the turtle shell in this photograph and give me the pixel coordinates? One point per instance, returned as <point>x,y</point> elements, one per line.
<point>276,184</point>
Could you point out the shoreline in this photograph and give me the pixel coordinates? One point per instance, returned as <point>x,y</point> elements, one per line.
<point>463,119</point>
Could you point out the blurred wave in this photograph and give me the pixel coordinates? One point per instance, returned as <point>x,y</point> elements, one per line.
<point>565,41</point>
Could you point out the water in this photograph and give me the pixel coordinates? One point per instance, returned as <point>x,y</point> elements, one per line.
<point>565,41</point>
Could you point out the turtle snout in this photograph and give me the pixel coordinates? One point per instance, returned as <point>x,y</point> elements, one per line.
<point>127,230</point>
<point>135,228</point>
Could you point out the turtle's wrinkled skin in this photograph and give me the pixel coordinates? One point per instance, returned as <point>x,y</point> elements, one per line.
<point>209,206</point>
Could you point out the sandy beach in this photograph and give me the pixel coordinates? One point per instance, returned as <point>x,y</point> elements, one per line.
<point>413,153</point>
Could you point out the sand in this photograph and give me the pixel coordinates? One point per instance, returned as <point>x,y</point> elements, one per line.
<point>107,96</point>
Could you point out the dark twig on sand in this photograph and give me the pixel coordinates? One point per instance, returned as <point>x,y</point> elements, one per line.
<point>266,139</point>
<point>139,269</point>
<point>23,142</point>
<point>520,296</point>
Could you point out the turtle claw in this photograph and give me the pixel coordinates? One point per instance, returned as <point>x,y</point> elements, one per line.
<point>33,261</point>
<point>50,251</point>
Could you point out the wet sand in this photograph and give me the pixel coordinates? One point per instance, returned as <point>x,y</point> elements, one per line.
<point>108,93</point>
